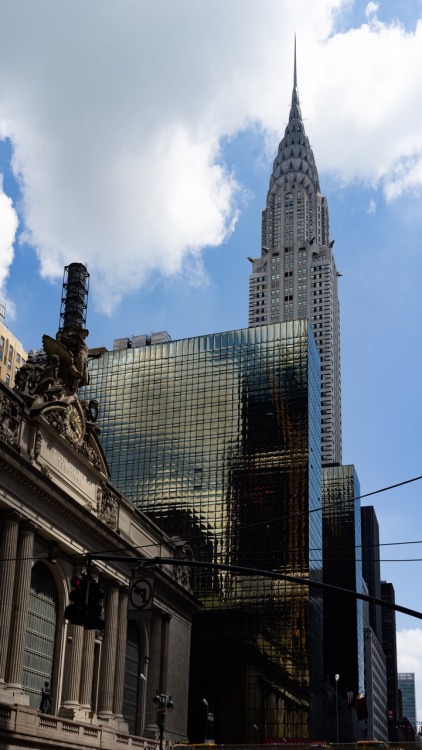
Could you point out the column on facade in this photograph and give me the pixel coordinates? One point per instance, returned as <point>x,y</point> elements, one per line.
<point>72,667</point>
<point>88,657</point>
<point>164,657</point>
<point>73,663</point>
<point>88,647</point>
<point>154,670</point>
<point>8,555</point>
<point>108,654</point>
<point>19,616</point>
<point>119,680</point>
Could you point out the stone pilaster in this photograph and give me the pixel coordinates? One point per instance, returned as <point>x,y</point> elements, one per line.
<point>119,679</point>
<point>72,668</point>
<point>165,626</point>
<point>154,672</point>
<point>108,655</point>
<point>72,672</point>
<point>87,671</point>
<point>88,656</point>
<point>8,555</point>
<point>19,616</point>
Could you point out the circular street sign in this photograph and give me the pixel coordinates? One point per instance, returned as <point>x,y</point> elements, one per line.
<point>140,593</point>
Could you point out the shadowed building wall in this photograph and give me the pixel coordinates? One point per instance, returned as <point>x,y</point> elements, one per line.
<point>343,614</point>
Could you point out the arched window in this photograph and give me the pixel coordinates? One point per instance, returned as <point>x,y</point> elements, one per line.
<point>40,633</point>
<point>131,685</point>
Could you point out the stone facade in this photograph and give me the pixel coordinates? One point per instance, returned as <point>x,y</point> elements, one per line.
<point>56,505</point>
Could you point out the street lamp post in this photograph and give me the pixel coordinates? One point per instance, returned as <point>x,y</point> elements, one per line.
<point>205,702</point>
<point>336,677</point>
<point>162,703</point>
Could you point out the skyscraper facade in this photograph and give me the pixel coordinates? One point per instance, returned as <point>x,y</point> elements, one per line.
<point>406,684</point>
<point>295,275</point>
<point>343,614</point>
<point>217,439</point>
<point>371,569</point>
<point>389,646</point>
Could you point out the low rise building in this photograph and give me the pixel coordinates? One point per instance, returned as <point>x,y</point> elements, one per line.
<point>12,355</point>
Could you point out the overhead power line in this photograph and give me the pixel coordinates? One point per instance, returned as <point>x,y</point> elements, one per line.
<point>257,572</point>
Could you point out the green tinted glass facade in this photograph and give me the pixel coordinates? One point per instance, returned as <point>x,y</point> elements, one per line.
<point>217,438</point>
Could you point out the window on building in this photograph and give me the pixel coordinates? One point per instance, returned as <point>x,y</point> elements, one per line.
<point>40,634</point>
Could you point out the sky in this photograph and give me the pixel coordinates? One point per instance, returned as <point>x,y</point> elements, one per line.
<point>138,138</point>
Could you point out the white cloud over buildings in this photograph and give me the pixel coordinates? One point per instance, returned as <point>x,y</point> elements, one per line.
<point>117,113</point>
<point>8,228</point>
<point>409,659</point>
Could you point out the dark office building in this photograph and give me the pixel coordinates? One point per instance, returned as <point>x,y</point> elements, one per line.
<point>389,646</point>
<point>371,565</point>
<point>343,614</point>
<point>406,686</point>
<point>217,439</point>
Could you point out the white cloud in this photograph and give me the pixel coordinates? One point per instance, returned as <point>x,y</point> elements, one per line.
<point>372,208</point>
<point>8,228</point>
<point>371,8</point>
<point>116,113</point>
<point>409,659</point>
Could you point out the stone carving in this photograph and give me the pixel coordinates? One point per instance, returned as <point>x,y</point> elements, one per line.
<point>9,421</point>
<point>91,410</point>
<point>183,573</point>
<point>48,386</point>
<point>107,507</point>
<point>25,379</point>
<point>61,372</point>
<point>37,446</point>
<point>46,471</point>
<point>74,342</point>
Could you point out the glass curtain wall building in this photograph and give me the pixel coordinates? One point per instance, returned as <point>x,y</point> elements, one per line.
<point>217,438</point>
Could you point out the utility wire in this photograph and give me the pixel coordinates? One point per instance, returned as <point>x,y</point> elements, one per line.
<point>254,525</point>
<point>267,574</point>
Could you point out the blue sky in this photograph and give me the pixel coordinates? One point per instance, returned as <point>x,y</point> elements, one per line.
<point>139,138</point>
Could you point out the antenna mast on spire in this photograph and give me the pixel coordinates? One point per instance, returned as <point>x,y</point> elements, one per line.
<point>295,69</point>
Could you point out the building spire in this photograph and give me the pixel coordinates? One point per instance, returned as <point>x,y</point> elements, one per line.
<point>295,161</point>
<point>295,108</point>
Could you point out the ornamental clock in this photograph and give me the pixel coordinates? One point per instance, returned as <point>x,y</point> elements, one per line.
<point>73,424</point>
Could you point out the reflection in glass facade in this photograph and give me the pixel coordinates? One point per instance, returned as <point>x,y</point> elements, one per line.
<point>343,614</point>
<point>217,438</point>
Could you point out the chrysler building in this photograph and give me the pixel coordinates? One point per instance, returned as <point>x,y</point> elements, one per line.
<point>295,275</point>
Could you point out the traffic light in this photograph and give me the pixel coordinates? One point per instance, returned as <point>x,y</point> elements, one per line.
<point>76,611</point>
<point>86,603</point>
<point>94,619</point>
